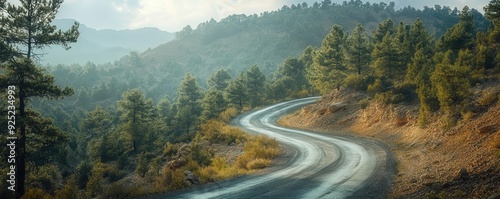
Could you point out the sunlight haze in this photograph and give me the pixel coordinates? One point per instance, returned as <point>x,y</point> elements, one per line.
<point>172,16</point>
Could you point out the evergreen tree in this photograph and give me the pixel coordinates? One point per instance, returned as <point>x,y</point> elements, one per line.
<point>219,80</point>
<point>213,104</point>
<point>235,94</point>
<point>358,50</point>
<point>492,12</point>
<point>28,27</point>
<point>461,35</point>
<point>188,104</point>
<point>383,28</point>
<point>96,123</point>
<point>452,83</point>
<point>420,42</point>
<point>254,81</point>
<point>136,115</point>
<point>165,112</point>
<point>386,60</point>
<point>328,69</point>
<point>291,76</point>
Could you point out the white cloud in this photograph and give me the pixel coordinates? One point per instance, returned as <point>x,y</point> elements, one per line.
<point>172,15</point>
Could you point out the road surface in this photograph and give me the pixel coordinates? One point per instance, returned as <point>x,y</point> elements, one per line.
<point>315,165</point>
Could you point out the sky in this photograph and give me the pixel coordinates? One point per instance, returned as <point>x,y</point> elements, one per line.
<point>173,15</point>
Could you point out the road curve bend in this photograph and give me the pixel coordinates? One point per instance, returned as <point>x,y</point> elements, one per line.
<point>315,165</point>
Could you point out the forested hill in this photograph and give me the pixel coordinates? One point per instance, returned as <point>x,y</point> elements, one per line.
<point>237,42</point>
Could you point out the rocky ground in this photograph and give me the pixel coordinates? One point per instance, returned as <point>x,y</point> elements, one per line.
<point>462,162</point>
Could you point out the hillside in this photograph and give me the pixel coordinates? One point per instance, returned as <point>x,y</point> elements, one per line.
<point>461,162</point>
<point>235,43</point>
<point>102,46</point>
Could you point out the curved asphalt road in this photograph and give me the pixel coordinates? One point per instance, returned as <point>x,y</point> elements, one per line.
<point>315,165</point>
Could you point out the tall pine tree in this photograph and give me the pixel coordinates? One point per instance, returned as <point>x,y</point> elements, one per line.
<point>26,28</point>
<point>328,69</point>
<point>189,109</point>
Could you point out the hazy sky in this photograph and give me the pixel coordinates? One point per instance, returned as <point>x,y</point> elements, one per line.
<point>173,15</point>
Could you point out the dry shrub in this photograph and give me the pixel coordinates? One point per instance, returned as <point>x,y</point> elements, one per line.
<point>218,171</point>
<point>207,174</point>
<point>495,142</point>
<point>258,163</point>
<point>487,98</point>
<point>228,114</point>
<point>170,180</point>
<point>467,116</point>
<point>363,103</point>
<point>260,147</point>
<point>218,132</point>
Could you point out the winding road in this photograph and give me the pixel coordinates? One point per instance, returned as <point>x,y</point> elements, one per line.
<point>315,165</point>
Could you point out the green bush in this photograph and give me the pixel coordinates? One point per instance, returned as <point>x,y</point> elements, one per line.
<point>487,98</point>
<point>356,81</point>
<point>363,103</point>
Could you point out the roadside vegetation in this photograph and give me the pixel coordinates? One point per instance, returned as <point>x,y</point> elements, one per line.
<point>146,124</point>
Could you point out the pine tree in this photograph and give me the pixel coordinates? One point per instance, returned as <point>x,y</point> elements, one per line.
<point>235,94</point>
<point>136,115</point>
<point>452,83</point>
<point>386,60</point>
<point>328,69</point>
<point>219,80</point>
<point>383,28</point>
<point>96,123</point>
<point>461,35</point>
<point>290,78</point>
<point>27,27</point>
<point>213,104</point>
<point>420,42</point>
<point>358,50</point>
<point>188,104</point>
<point>254,81</point>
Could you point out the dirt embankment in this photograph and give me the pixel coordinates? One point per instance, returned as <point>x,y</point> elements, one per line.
<point>463,162</point>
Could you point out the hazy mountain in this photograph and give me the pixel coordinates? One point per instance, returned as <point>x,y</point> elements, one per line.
<point>239,41</point>
<point>101,46</point>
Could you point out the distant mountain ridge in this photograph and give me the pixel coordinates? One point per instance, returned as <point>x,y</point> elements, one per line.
<point>102,46</point>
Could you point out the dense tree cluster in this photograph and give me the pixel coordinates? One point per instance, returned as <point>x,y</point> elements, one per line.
<point>138,113</point>
<point>400,63</point>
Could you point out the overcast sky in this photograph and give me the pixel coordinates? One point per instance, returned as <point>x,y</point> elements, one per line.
<point>173,15</point>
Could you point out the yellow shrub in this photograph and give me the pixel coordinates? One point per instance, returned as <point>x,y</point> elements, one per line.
<point>260,147</point>
<point>36,193</point>
<point>258,163</point>
<point>487,98</point>
<point>218,132</point>
<point>228,114</point>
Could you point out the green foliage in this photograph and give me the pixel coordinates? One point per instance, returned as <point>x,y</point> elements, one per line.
<point>219,80</point>
<point>356,82</point>
<point>94,184</point>
<point>386,58</point>
<point>328,68</point>
<point>213,104</point>
<point>452,83</point>
<point>236,94</point>
<point>254,81</point>
<point>461,35</point>
<point>188,104</point>
<point>46,177</point>
<point>358,50</point>
<point>202,156</point>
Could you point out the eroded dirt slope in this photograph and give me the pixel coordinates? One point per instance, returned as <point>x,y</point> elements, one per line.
<point>462,162</point>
